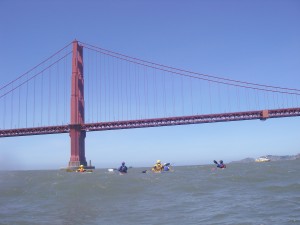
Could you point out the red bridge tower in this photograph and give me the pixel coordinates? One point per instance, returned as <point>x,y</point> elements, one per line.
<point>77,135</point>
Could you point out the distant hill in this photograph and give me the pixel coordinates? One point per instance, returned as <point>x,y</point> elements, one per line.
<point>271,157</point>
<point>246,160</point>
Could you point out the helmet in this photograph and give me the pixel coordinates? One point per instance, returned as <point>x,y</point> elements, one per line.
<point>221,161</point>
<point>123,163</point>
<point>81,165</point>
<point>158,161</point>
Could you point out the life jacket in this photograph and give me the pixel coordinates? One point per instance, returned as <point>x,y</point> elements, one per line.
<point>221,166</point>
<point>157,167</point>
<point>123,169</point>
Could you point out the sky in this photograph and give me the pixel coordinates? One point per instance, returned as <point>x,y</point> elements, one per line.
<point>249,40</point>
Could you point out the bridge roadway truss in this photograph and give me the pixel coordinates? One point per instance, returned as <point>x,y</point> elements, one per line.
<point>157,122</point>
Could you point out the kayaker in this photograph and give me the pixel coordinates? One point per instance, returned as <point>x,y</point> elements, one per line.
<point>81,169</point>
<point>158,167</point>
<point>166,166</point>
<point>221,164</point>
<point>123,168</point>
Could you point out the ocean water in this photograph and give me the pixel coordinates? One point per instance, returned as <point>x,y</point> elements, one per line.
<point>254,193</point>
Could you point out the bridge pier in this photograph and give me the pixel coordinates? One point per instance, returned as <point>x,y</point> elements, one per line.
<point>77,110</point>
<point>77,146</point>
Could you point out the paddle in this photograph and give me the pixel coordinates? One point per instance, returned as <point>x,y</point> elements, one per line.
<point>216,162</point>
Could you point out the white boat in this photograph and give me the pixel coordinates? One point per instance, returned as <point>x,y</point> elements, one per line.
<point>262,159</point>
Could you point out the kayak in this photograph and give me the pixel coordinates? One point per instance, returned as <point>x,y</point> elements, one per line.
<point>87,171</point>
<point>74,170</point>
<point>151,171</point>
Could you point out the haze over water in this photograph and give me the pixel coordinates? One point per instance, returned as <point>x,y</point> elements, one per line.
<point>252,193</point>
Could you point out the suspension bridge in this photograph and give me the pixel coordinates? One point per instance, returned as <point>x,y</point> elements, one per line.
<point>83,88</point>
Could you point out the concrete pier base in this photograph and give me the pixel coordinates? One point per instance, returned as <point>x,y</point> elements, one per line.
<point>75,165</point>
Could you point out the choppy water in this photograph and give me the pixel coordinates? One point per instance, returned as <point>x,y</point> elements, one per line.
<point>255,193</point>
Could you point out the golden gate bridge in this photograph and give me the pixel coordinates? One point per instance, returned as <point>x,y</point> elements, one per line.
<point>106,90</point>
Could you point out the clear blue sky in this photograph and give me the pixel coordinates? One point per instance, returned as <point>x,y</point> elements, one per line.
<point>256,41</point>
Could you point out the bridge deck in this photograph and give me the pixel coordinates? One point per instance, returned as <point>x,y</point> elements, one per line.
<point>157,122</point>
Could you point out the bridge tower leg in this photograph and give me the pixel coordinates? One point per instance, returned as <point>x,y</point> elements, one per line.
<point>77,109</point>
